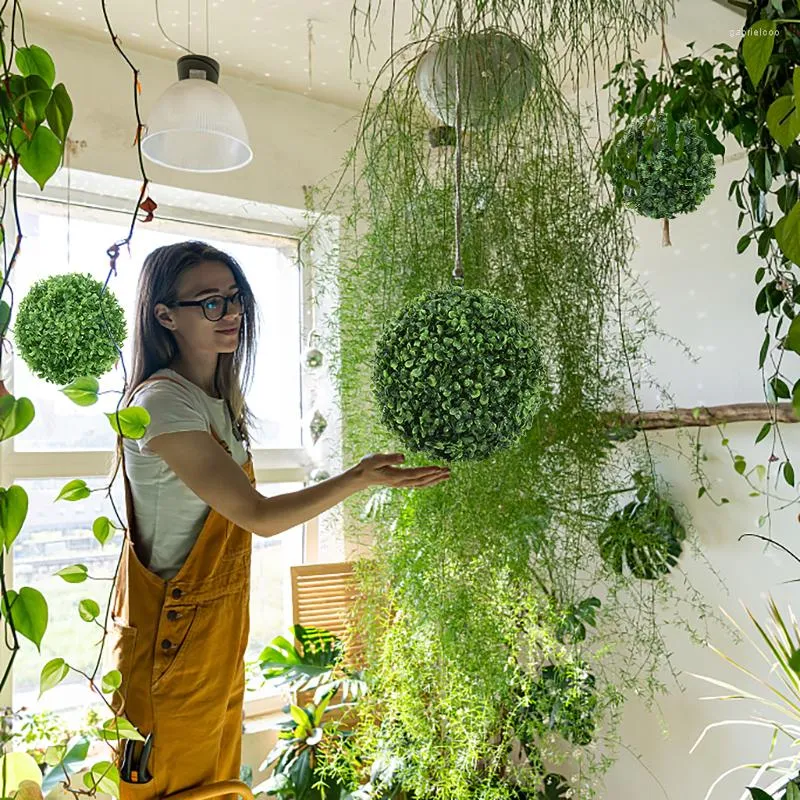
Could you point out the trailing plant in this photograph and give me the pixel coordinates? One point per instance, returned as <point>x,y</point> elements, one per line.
<point>483,594</point>
<point>35,118</point>
<point>750,95</point>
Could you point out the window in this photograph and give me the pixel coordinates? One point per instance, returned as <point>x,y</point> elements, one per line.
<point>66,441</point>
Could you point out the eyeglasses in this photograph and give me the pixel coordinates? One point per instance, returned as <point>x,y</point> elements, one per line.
<point>216,306</point>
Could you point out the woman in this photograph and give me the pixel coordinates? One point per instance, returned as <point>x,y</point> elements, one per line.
<point>180,613</point>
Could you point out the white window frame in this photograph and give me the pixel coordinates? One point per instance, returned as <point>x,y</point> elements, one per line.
<point>272,465</point>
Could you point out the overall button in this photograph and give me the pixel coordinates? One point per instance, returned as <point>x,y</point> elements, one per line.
<point>172,615</point>
<point>176,593</point>
<point>166,644</point>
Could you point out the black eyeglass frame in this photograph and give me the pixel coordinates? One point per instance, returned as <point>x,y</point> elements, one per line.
<point>225,302</point>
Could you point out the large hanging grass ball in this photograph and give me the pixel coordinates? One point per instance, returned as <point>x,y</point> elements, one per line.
<point>59,331</point>
<point>496,77</point>
<point>458,374</point>
<point>662,168</point>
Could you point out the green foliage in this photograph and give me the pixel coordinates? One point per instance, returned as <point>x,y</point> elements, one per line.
<point>645,537</point>
<point>776,687</point>
<point>750,95</point>
<point>458,375</point>
<point>315,664</point>
<point>82,391</point>
<point>65,329</point>
<point>13,511</point>
<point>563,700</point>
<point>661,168</point>
<point>301,740</point>
<point>15,415</point>
<point>28,611</point>
<point>129,422</point>
<point>472,589</point>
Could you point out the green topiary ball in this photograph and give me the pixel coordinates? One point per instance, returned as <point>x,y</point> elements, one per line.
<point>59,329</point>
<point>660,170</point>
<point>458,374</point>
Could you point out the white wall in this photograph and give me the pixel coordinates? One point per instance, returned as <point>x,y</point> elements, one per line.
<point>706,294</point>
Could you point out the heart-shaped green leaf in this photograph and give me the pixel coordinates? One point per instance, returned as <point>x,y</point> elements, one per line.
<point>759,42</point>
<point>59,112</point>
<point>5,314</point>
<point>103,777</point>
<point>133,422</point>
<point>75,573</point>
<point>28,613</point>
<point>40,156</point>
<point>111,681</point>
<point>15,415</point>
<point>82,391</point>
<point>53,672</point>
<point>117,728</point>
<point>13,511</point>
<point>35,60</point>
<point>783,121</point>
<point>89,610</point>
<point>787,234</point>
<point>102,529</point>
<point>73,491</point>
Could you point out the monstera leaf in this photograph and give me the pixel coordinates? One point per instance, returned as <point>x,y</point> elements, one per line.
<point>555,788</point>
<point>646,538</point>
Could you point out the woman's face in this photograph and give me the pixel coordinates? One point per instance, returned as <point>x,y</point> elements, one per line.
<point>208,282</point>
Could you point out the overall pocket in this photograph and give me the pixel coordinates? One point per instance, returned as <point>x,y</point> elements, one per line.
<point>120,654</point>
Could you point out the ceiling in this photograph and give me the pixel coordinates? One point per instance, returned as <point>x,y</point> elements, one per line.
<point>267,41</point>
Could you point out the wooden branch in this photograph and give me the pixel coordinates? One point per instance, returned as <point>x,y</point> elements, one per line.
<point>705,417</point>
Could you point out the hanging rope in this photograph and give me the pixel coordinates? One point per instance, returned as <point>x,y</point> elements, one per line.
<point>458,268</point>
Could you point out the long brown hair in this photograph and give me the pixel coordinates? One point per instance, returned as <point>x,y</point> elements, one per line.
<point>154,347</point>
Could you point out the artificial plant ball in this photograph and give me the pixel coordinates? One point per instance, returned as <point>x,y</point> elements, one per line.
<point>60,331</point>
<point>458,374</point>
<point>495,79</point>
<point>663,169</point>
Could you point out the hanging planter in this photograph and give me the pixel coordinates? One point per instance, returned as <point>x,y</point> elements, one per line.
<point>662,168</point>
<point>458,374</point>
<point>61,331</point>
<point>496,77</point>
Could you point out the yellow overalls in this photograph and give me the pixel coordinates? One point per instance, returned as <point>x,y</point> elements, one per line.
<point>180,647</point>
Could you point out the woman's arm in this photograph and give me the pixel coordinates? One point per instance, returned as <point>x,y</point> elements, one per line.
<point>221,483</point>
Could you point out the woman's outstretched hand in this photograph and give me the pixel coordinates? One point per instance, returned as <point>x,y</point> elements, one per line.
<point>380,469</point>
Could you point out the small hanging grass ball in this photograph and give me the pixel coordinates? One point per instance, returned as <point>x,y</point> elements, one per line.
<point>662,169</point>
<point>458,374</point>
<point>59,329</point>
<point>495,79</point>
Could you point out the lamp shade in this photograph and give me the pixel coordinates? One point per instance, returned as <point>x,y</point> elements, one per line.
<point>195,126</point>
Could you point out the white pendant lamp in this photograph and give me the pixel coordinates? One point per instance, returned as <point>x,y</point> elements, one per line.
<point>195,126</point>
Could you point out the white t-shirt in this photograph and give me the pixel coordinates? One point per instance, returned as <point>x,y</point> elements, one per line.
<point>169,515</point>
